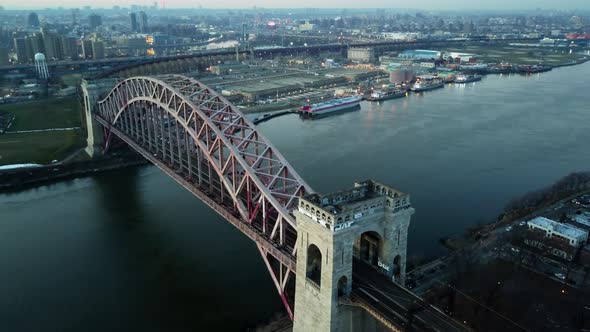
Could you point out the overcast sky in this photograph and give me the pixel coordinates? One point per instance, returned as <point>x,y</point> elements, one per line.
<point>417,4</point>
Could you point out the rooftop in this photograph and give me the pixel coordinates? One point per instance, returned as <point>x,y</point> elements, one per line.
<point>343,200</point>
<point>558,227</point>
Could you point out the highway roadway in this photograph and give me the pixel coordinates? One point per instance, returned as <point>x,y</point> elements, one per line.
<point>231,51</point>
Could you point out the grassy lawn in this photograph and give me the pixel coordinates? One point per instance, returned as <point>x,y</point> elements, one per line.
<point>44,114</point>
<point>520,55</point>
<point>71,79</point>
<point>40,148</point>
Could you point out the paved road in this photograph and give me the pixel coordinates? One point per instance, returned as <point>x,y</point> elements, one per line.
<point>576,277</point>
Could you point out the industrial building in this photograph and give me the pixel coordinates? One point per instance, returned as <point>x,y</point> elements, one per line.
<point>420,54</point>
<point>361,54</point>
<point>229,68</point>
<point>574,236</point>
<point>461,57</point>
<point>253,90</point>
<point>263,86</point>
<point>399,73</point>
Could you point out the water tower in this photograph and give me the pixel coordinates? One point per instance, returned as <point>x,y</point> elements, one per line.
<point>41,66</point>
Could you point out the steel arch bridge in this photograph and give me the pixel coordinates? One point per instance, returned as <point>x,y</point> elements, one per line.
<point>201,140</point>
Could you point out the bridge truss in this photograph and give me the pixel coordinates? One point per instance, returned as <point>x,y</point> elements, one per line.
<point>202,141</point>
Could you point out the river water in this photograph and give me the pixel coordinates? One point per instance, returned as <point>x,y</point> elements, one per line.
<point>131,250</point>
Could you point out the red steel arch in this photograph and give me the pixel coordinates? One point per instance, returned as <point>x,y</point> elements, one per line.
<point>205,143</point>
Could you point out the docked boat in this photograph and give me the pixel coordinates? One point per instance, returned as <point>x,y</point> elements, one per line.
<point>334,105</point>
<point>427,84</point>
<point>380,95</point>
<point>534,69</point>
<point>474,67</point>
<point>462,78</point>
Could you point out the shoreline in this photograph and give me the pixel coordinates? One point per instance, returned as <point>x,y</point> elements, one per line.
<point>511,215</point>
<point>17,179</point>
<point>31,177</point>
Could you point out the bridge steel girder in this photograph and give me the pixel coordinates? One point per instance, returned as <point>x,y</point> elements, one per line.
<point>207,145</point>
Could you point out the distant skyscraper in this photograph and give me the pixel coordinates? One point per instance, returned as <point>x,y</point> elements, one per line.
<point>86,48</point>
<point>97,50</point>
<point>470,27</point>
<point>134,25</point>
<point>33,20</point>
<point>20,48</point>
<point>34,45</point>
<point>143,22</point>
<point>49,46</point>
<point>74,13</point>
<point>70,47</point>
<point>52,45</point>
<point>41,66</point>
<point>3,56</point>
<point>94,20</point>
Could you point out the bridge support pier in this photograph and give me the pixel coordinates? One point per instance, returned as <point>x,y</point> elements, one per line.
<point>92,91</point>
<point>95,140</point>
<point>365,225</point>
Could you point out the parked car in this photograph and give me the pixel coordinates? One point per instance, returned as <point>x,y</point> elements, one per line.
<point>410,284</point>
<point>508,229</point>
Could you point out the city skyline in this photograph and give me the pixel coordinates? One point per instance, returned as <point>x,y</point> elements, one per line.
<point>220,4</point>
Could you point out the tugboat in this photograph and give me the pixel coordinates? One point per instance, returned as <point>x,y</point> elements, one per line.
<point>463,78</point>
<point>380,95</point>
<point>334,105</point>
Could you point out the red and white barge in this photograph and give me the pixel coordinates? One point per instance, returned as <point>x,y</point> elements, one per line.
<point>330,106</point>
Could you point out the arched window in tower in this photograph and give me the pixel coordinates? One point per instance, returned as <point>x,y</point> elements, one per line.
<point>314,265</point>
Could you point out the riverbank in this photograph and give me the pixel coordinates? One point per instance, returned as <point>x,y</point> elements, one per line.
<point>520,54</point>
<point>27,177</point>
<point>40,131</point>
<point>527,206</point>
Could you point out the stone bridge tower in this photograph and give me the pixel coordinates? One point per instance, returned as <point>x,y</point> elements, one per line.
<point>367,224</point>
<point>93,91</point>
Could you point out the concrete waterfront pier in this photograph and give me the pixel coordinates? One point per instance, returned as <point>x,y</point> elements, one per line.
<point>367,224</point>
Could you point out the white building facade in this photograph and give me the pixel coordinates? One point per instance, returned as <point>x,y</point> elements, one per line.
<point>576,237</point>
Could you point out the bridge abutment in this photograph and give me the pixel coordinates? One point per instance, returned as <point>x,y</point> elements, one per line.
<point>367,224</point>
